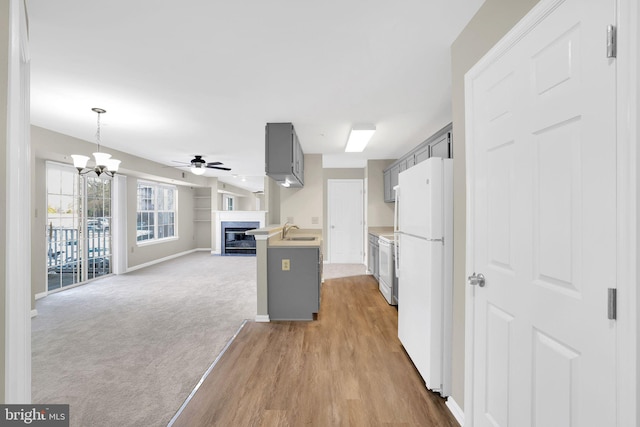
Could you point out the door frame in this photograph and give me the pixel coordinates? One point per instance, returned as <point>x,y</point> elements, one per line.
<point>17,317</point>
<point>628,183</point>
<point>362,222</point>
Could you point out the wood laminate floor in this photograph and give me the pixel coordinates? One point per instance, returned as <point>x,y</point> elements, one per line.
<point>347,368</point>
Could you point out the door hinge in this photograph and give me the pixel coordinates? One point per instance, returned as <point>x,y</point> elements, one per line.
<point>611,41</point>
<point>612,306</point>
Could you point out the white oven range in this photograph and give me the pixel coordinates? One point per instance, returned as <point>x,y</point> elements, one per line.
<point>386,267</point>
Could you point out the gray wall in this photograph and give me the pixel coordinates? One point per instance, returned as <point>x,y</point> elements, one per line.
<point>303,206</point>
<point>379,213</point>
<point>49,145</point>
<point>492,21</point>
<point>145,253</point>
<point>272,200</point>
<point>4,59</point>
<point>245,200</point>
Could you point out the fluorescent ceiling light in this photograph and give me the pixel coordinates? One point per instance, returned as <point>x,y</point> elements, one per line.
<point>359,138</point>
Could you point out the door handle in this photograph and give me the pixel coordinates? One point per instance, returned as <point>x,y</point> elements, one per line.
<point>476,279</point>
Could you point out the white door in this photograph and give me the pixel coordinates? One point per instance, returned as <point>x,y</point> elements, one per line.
<point>542,222</point>
<point>346,221</point>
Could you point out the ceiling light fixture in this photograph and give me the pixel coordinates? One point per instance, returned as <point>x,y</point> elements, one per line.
<point>104,163</point>
<point>359,138</point>
<point>198,166</point>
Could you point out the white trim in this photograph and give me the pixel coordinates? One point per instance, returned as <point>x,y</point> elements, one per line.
<point>202,249</point>
<point>34,313</point>
<point>628,84</point>
<point>241,216</point>
<point>41,295</point>
<point>151,242</point>
<point>119,253</point>
<point>455,410</point>
<point>263,318</point>
<point>17,343</point>
<point>159,260</point>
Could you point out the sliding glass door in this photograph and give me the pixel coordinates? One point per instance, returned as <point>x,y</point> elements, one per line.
<point>98,224</point>
<point>78,226</point>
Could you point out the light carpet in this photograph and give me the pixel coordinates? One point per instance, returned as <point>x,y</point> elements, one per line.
<point>127,350</point>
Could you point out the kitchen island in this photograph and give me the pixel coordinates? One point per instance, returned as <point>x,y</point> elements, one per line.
<point>289,273</point>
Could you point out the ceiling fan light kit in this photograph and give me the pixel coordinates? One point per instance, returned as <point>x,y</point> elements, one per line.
<point>104,163</point>
<point>198,165</point>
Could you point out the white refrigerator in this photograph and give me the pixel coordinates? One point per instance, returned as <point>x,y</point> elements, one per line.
<point>424,266</point>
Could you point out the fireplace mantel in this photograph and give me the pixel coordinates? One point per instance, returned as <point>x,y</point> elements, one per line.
<point>219,216</point>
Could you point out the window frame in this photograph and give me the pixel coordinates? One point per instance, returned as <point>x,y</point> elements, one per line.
<point>156,212</point>
<point>228,201</point>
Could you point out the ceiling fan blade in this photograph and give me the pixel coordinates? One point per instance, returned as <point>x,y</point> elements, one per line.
<point>219,167</point>
<point>213,164</point>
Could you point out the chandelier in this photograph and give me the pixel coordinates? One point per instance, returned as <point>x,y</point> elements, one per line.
<point>104,163</point>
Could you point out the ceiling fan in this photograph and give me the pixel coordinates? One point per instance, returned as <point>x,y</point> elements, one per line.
<point>198,165</point>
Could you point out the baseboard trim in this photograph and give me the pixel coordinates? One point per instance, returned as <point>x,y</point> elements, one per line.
<point>41,295</point>
<point>34,313</point>
<point>202,249</point>
<point>159,260</point>
<point>264,318</point>
<point>456,411</point>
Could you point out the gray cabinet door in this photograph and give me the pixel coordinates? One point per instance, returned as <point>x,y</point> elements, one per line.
<point>284,159</point>
<point>293,294</point>
<point>388,190</point>
<point>441,147</point>
<point>422,153</point>
<point>395,171</point>
<point>299,159</point>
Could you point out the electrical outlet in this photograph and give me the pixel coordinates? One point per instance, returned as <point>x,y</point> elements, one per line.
<point>286,265</point>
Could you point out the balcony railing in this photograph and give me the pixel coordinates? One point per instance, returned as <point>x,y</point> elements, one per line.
<point>64,256</point>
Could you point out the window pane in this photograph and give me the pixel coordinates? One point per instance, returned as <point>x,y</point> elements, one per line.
<point>156,211</point>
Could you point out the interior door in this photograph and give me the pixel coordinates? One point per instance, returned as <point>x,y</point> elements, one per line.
<point>542,215</point>
<point>346,221</point>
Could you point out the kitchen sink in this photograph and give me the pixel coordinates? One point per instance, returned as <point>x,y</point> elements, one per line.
<point>301,238</point>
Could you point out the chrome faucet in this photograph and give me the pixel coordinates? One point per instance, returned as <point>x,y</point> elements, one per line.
<point>286,228</point>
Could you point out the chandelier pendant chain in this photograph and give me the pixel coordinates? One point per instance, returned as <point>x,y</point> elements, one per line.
<point>99,111</point>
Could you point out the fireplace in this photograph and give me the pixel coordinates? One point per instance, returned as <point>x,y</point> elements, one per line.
<point>234,241</point>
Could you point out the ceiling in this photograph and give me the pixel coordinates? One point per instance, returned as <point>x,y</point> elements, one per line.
<point>204,76</point>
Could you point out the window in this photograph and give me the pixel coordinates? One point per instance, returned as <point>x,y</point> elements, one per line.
<point>156,211</point>
<point>227,202</point>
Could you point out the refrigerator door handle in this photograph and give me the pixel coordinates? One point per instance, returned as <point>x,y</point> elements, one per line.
<point>396,257</point>
<point>396,189</point>
<point>396,236</point>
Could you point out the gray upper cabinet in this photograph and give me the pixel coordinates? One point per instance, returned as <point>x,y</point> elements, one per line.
<point>438,145</point>
<point>390,181</point>
<point>284,158</point>
<point>388,188</point>
<point>441,147</point>
<point>422,153</point>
